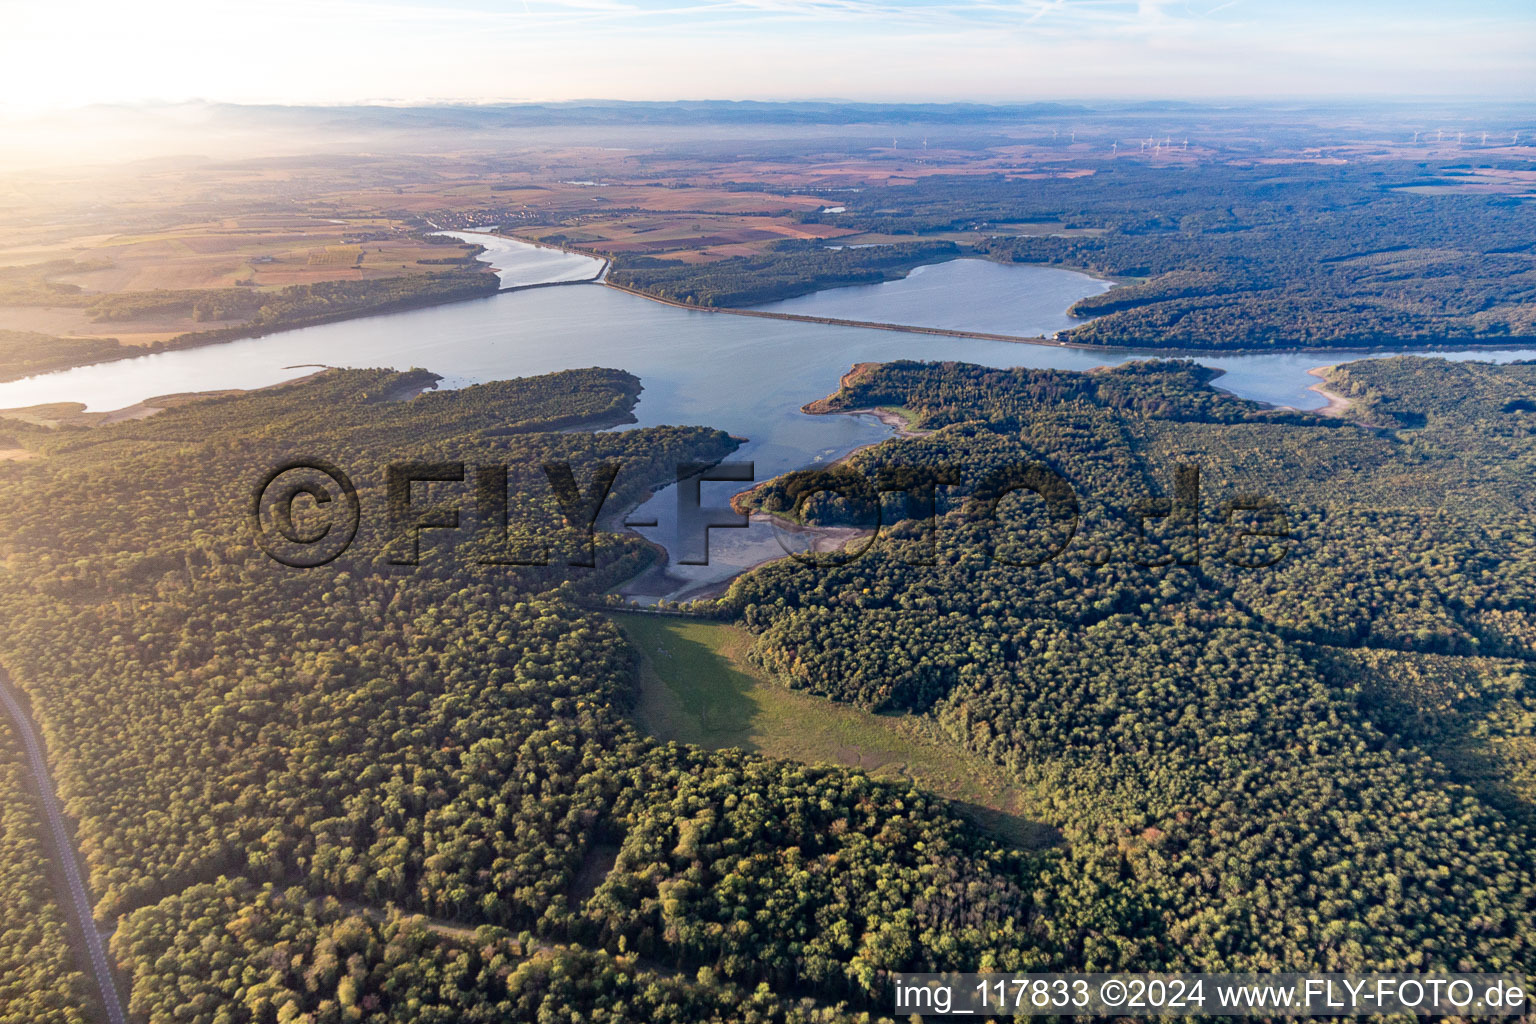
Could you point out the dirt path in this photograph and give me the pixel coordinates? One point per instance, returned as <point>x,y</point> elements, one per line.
<point>63,851</point>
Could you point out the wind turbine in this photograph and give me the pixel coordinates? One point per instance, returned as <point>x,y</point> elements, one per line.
<point>1415,138</point>
<point>1485,138</point>
<point>1114,147</point>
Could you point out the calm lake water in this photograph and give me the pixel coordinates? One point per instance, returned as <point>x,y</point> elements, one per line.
<point>519,263</point>
<point>961,295</point>
<point>747,375</point>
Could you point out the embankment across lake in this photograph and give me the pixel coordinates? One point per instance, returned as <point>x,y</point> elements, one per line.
<point>835,322</point>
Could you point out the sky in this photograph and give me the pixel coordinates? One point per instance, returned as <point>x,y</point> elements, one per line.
<point>62,53</point>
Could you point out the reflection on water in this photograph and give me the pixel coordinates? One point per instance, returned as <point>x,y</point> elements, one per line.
<point>746,375</point>
<point>961,295</point>
<point>518,263</point>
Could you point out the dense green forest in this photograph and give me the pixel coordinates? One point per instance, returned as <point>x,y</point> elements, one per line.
<point>1220,255</point>
<point>791,268</point>
<point>1326,256</point>
<point>24,353</point>
<point>450,738</point>
<point>297,304</point>
<point>1323,763</point>
<point>39,979</point>
<point>318,961</point>
<point>375,791</point>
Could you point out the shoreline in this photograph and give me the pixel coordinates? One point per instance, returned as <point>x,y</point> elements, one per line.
<point>648,585</point>
<point>1337,405</point>
<point>605,262</point>
<point>224,335</point>
<point>221,336</point>
<point>899,424</point>
<point>889,417</point>
<point>1140,352</point>
<point>39,414</point>
<point>217,336</point>
<point>801,318</point>
<point>894,421</point>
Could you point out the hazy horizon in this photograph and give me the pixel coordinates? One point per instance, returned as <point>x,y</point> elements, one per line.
<point>123,133</point>
<point>472,51</point>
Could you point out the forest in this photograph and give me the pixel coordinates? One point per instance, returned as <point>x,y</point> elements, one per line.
<point>375,792</point>
<point>1327,761</point>
<point>23,353</point>
<point>449,740</point>
<point>1327,256</point>
<point>790,268</point>
<point>295,305</point>
<point>39,979</point>
<point>1219,255</point>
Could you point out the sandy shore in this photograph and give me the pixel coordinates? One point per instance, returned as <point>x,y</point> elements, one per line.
<point>824,539</point>
<point>656,582</point>
<point>1337,403</point>
<point>890,417</point>
<point>822,406</point>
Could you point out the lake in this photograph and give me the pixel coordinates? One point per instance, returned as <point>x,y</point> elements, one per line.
<point>518,263</point>
<point>746,375</point>
<point>960,295</point>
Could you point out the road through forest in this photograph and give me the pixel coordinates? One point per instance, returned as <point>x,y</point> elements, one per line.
<point>63,851</point>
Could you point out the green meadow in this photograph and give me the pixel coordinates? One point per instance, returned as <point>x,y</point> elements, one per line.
<point>696,686</point>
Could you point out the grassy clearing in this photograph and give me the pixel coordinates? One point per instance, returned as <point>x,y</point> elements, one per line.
<point>908,417</point>
<point>696,686</point>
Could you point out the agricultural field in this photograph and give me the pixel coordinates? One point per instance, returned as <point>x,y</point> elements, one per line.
<point>48,283</point>
<point>1072,195</point>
